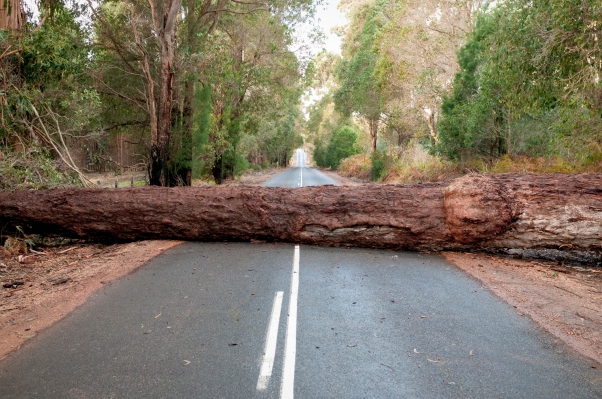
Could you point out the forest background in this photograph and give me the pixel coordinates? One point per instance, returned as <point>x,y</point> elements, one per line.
<point>203,89</point>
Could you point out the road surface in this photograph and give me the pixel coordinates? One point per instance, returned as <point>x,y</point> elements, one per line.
<point>237,320</point>
<point>299,176</point>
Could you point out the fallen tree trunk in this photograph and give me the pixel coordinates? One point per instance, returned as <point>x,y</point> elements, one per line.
<point>475,211</point>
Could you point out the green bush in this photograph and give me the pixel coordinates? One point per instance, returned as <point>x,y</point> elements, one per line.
<point>33,170</point>
<point>379,166</point>
<point>341,146</point>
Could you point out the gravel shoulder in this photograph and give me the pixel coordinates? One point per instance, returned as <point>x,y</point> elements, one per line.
<point>38,289</point>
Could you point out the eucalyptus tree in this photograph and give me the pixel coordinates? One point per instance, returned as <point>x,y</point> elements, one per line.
<point>257,78</point>
<point>417,57</point>
<point>201,20</point>
<point>399,60</point>
<point>358,91</point>
<point>159,50</point>
<point>529,83</point>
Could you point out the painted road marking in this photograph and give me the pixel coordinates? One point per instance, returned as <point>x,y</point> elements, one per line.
<point>290,349</point>
<point>269,352</point>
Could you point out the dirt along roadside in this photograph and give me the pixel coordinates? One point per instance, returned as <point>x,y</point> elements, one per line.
<point>42,287</point>
<point>38,289</point>
<point>564,300</point>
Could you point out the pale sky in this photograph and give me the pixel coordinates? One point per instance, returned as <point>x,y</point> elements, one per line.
<point>330,17</point>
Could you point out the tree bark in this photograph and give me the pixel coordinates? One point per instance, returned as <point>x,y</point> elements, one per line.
<point>430,120</point>
<point>483,212</point>
<point>164,21</point>
<point>11,15</point>
<point>373,122</point>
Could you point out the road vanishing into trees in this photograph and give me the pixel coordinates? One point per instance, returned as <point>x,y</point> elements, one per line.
<point>268,320</point>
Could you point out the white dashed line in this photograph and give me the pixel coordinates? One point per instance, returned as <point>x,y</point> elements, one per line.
<point>270,344</point>
<point>290,350</point>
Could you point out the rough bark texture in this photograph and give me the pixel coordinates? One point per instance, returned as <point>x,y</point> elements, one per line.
<point>11,15</point>
<point>488,212</point>
<point>373,134</point>
<point>164,20</point>
<point>551,211</point>
<point>478,207</point>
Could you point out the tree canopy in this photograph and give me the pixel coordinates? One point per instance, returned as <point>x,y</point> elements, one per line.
<point>208,88</point>
<point>199,87</point>
<point>529,83</point>
<point>473,80</point>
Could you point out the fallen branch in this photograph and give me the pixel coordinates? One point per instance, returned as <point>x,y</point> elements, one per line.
<point>67,250</point>
<point>61,148</point>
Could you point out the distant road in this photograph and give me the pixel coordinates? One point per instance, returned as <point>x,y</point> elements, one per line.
<point>300,175</point>
<point>240,320</point>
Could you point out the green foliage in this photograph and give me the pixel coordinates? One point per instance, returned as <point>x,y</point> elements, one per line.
<point>32,170</point>
<point>55,51</point>
<point>281,145</point>
<point>526,86</point>
<point>320,154</point>
<point>358,91</point>
<point>340,146</point>
<point>200,136</point>
<point>378,170</point>
<point>465,113</point>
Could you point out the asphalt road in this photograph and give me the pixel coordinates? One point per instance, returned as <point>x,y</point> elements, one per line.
<point>237,320</point>
<point>300,175</point>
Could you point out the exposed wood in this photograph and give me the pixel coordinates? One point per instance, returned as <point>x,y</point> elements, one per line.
<point>502,211</point>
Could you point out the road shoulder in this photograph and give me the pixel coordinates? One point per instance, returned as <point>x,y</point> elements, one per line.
<point>40,289</point>
<point>565,301</point>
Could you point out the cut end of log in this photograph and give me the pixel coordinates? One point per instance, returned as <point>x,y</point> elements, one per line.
<point>477,208</point>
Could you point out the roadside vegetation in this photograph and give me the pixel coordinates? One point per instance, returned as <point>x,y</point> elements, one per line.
<point>175,90</point>
<point>422,91</point>
<point>436,90</point>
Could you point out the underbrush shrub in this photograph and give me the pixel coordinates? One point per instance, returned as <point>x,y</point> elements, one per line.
<point>32,170</point>
<point>524,164</point>
<point>341,145</point>
<point>592,161</point>
<point>380,162</point>
<point>357,166</point>
<point>414,164</point>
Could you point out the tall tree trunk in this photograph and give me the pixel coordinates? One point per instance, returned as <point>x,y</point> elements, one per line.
<point>217,170</point>
<point>373,122</point>
<point>160,148</point>
<point>185,172</point>
<point>165,28</point>
<point>430,120</point>
<point>11,15</point>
